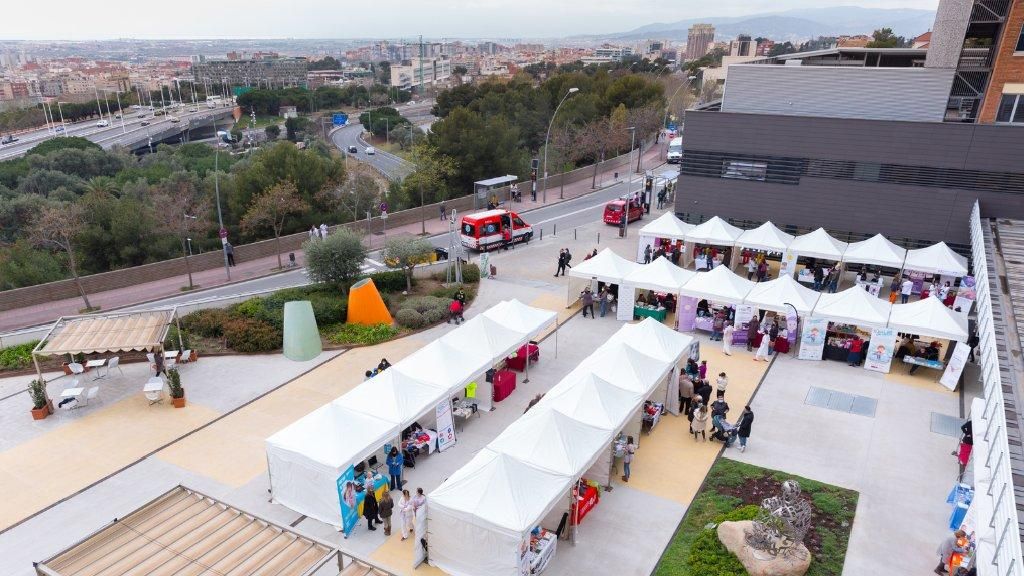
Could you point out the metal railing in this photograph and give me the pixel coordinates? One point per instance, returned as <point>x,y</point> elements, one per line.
<point>1004,556</point>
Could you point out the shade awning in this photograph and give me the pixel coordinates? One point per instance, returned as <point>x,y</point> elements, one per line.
<point>776,294</point>
<point>607,266</point>
<point>624,366</point>
<point>875,251</point>
<point>853,306</point>
<point>928,317</point>
<point>667,226</point>
<point>492,338</point>
<point>936,259</point>
<point>818,244</point>
<point>112,333</point>
<point>715,231</point>
<point>661,274</point>
<point>767,236</point>
<point>719,285</point>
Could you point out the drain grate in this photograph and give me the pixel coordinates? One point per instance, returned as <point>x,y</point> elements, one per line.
<point>946,425</point>
<point>841,401</point>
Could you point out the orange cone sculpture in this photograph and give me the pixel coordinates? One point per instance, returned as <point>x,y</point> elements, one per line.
<point>365,306</point>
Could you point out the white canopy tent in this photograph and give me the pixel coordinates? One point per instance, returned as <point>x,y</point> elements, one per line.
<point>818,244</point>
<point>775,294</point>
<point>553,442</point>
<point>394,396</point>
<point>625,367</point>
<point>494,339</point>
<point>660,275</point>
<point>766,237</point>
<point>480,516</point>
<point>715,231</point>
<point>664,226</point>
<point>442,364</point>
<point>593,400</point>
<point>607,266</point>
<point>306,458</point>
<point>875,251</point>
<point>929,317</point>
<point>853,306</point>
<point>661,342</point>
<point>936,259</point>
<point>520,317</point>
<point>719,285</point>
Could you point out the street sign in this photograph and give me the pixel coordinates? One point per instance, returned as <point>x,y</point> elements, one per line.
<point>672,126</point>
<point>340,119</point>
<point>223,232</point>
<point>383,206</point>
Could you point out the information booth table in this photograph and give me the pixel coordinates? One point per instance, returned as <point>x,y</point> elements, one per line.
<point>585,497</point>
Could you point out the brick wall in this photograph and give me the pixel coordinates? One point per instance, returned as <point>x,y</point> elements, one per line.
<point>1007,67</point>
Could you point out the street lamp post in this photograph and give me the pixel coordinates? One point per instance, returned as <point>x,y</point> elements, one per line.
<point>547,137</point>
<point>216,190</point>
<point>188,250</point>
<point>668,104</point>
<point>629,182</point>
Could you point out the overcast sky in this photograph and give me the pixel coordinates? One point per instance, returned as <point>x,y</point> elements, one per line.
<point>78,19</point>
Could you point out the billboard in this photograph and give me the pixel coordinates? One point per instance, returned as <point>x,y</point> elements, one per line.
<point>340,119</point>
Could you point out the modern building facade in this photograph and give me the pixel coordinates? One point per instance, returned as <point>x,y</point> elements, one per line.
<point>264,71</point>
<point>420,72</point>
<point>1004,101</point>
<point>698,39</point>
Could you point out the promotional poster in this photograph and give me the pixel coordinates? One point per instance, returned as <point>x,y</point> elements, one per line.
<point>349,498</point>
<point>812,341</point>
<point>880,350</point>
<point>445,426</point>
<point>951,376</point>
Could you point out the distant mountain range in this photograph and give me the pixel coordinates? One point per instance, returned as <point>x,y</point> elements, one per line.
<point>797,24</point>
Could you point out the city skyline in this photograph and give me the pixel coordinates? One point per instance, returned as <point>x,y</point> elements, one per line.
<point>191,19</point>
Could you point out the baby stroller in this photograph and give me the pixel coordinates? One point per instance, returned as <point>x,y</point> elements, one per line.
<point>727,433</point>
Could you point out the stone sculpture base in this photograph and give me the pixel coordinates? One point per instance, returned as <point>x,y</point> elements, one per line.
<point>756,562</point>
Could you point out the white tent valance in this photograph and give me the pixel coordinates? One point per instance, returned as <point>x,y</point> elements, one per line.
<point>775,294</point>
<point>661,275</point>
<point>667,226</point>
<point>936,259</point>
<point>875,251</point>
<point>853,306</point>
<point>520,317</point>
<point>553,442</point>
<point>929,317</point>
<point>818,244</point>
<point>607,266</point>
<point>767,236</point>
<point>715,231</point>
<point>719,285</point>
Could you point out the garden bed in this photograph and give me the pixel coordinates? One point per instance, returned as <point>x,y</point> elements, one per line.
<point>731,491</point>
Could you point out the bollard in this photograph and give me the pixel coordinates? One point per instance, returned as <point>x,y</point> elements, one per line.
<point>541,233</point>
<point>598,237</point>
<point>573,233</point>
<point>554,229</point>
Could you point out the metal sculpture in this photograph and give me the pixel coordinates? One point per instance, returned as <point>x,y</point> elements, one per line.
<point>782,523</point>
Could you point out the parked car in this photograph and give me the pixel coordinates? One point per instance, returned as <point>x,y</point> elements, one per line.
<point>613,211</point>
<point>353,150</point>
<point>144,123</point>
<point>102,124</point>
<point>484,230</point>
<point>58,129</point>
<point>174,119</point>
<point>9,139</point>
<point>370,150</point>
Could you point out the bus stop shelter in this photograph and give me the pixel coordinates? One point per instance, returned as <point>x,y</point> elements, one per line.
<point>483,189</point>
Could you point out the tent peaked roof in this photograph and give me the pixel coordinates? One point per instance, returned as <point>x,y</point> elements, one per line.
<point>929,317</point>
<point>876,251</point>
<point>818,244</point>
<point>593,400</point>
<point>607,266</point>
<point>520,317</point>
<point>667,226</point>
<point>853,306</point>
<point>767,236</point>
<point>659,340</point>
<point>625,367</point>
<point>552,441</point>
<point>715,231</point>
<point>394,396</point>
<point>443,365</point>
<point>719,285</point>
<point>775,294</point>
<point>498,491</point>
<point>334,435</point>
<point>937,259</point>
<point>491,337</point>
<point>661,274</point>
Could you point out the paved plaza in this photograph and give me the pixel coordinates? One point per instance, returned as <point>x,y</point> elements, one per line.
<point>103,461</point>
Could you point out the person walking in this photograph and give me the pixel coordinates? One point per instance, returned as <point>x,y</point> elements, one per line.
<point>746,420</point>
<point>721,383</point>
<point>773,333</point>
<point>906,287</point>
<point>762,349</point>
<point>699,421</point>
<point>588,301</point>
<point>627,457</point>
<point>856,351</point>
<point>685,394</point>
<point>323,230</point>
<point>370,505</point>
<point>568,259</point>
<point>396,463</point>
<point>406,514</point>
<point>158,363</point>
<point>647,254</point>
<point>751,334</point>
<point>963,453</point>
<point>384,509</point>
<point>727,339</point>
<point>561,263</point>
<point>230,251</point>
<point>818,277</point>
<point>443,211</point>
<point>947,548</point>
<point>719,408</point>
<point>314,232</point>
<point>602,296</point>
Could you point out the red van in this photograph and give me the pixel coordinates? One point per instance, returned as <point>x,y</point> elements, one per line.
<point>613,211</point>
<point>483,230</point>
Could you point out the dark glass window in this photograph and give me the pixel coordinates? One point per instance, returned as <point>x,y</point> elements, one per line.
<point>745,170</point>
<point>1020,41</point>
<point>1006,105</point>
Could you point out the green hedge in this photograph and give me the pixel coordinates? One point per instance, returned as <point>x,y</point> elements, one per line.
<point>470,274</point>
<point>249,335</point>
<point>409,318</point>
<point>360,334</point>
<point>17,357</point>
<point>393,281</point>
<point>708,556</point>
<point>208,323</point>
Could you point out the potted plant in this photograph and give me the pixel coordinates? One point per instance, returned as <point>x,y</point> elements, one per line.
<point>40,402</point>
<point>177,392</point>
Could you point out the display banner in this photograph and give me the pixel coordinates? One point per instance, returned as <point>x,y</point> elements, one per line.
<point>627,300</point>
<point>686,314</point>
<point>882,347</point>
<point>744,312</point>
<point>485,268</point>
<point>445,426</point>
<point>791,324</point>
<point>968,288</point>
<point>951,376</point>
<point>812,341</point>
<point>349,499</point>
<point>788,265</point>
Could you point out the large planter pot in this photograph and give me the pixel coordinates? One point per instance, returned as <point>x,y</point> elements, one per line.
<point>179,402</point>
<point>40,413</point>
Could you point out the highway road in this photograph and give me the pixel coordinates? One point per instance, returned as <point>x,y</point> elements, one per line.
<point>391,166</point>
<point>111,135</point>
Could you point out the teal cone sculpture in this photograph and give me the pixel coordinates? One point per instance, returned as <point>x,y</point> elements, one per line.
<point>301,336</point>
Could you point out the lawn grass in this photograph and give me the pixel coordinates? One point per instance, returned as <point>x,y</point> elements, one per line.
<point>730,487</point>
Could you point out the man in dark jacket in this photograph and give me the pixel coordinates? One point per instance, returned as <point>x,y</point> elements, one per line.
<point>743,425</point>
<point>561,263</point>
<point>751,334</point>
<point>818,277</point>
<point>719,408</point>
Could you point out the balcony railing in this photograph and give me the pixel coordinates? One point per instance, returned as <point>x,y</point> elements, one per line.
<point>975,58</point>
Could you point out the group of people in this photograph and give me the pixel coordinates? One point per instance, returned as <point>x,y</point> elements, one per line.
<point>825,280</point>
<point>662,251</point>
<point>564,257</point>
<point>381,366</point>
<point>381,512</point>
<point>651,298</point>
<point>757,266</point>
<point>318,232</point>
<point>695,401</point>
<point>902,287</point>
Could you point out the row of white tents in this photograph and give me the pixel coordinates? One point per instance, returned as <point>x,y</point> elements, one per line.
<point>875,251</point>
<point>721,285</point>
<point>306,458</point>
<point>479,520</point>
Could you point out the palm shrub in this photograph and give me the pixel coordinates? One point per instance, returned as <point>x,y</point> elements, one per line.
<point>174,383</point>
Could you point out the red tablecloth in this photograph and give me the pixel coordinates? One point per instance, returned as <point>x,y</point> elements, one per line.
<point>584,504</point>
<point>782,345</point>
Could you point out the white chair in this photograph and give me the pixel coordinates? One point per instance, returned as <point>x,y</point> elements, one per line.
<point>151,357</point>
<point>72,384</point>
<point>91,394</point>
<point>76,368</point>
<point>114,363</point>
<point>185,357</point>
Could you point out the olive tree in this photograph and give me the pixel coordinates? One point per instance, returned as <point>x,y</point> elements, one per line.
<point>406,253</point>
<point>337,258</point>
<point>271,209</point>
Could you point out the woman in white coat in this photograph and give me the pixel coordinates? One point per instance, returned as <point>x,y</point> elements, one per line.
<point>762,350</point>
<point>406,514</point>
<point>727,338</point>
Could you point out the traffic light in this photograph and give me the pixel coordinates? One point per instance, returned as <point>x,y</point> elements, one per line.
<point>535,163</point>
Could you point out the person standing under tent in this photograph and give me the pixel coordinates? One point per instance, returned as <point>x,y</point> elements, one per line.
<point>833,279</point>
<point>699,421</point>
<point>773,333</point>
<point>396,463</point>
<point>685,394</point>
<point>762,349</point>
<point>385,508</point>
<point>751,268</point>
<point>647,254</point>
<point>717,326</point>
<point>588,301</point>
<point>751,334</point>
<point>856,351</point>
<point>727,339</point>
<point>406,514</point>
<point>894,288</point>
<point>627,457</point>
<point>906,288</point>
<point>818,277</point>
<point>743,425</point>
<point>603,297</point>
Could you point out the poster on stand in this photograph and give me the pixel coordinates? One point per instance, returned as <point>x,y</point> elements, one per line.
<point>955,367</point>
<point>686,314</point>
<point>962,306</point>
<point>812,341</point>
<point>788,265</point>
<point>792,321</point>
<point>347,495</point>
<point>627,299</point>
<point>744,312</point>
<point>485,268</point>
<point>882,347</point>
<point>445,426</point>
